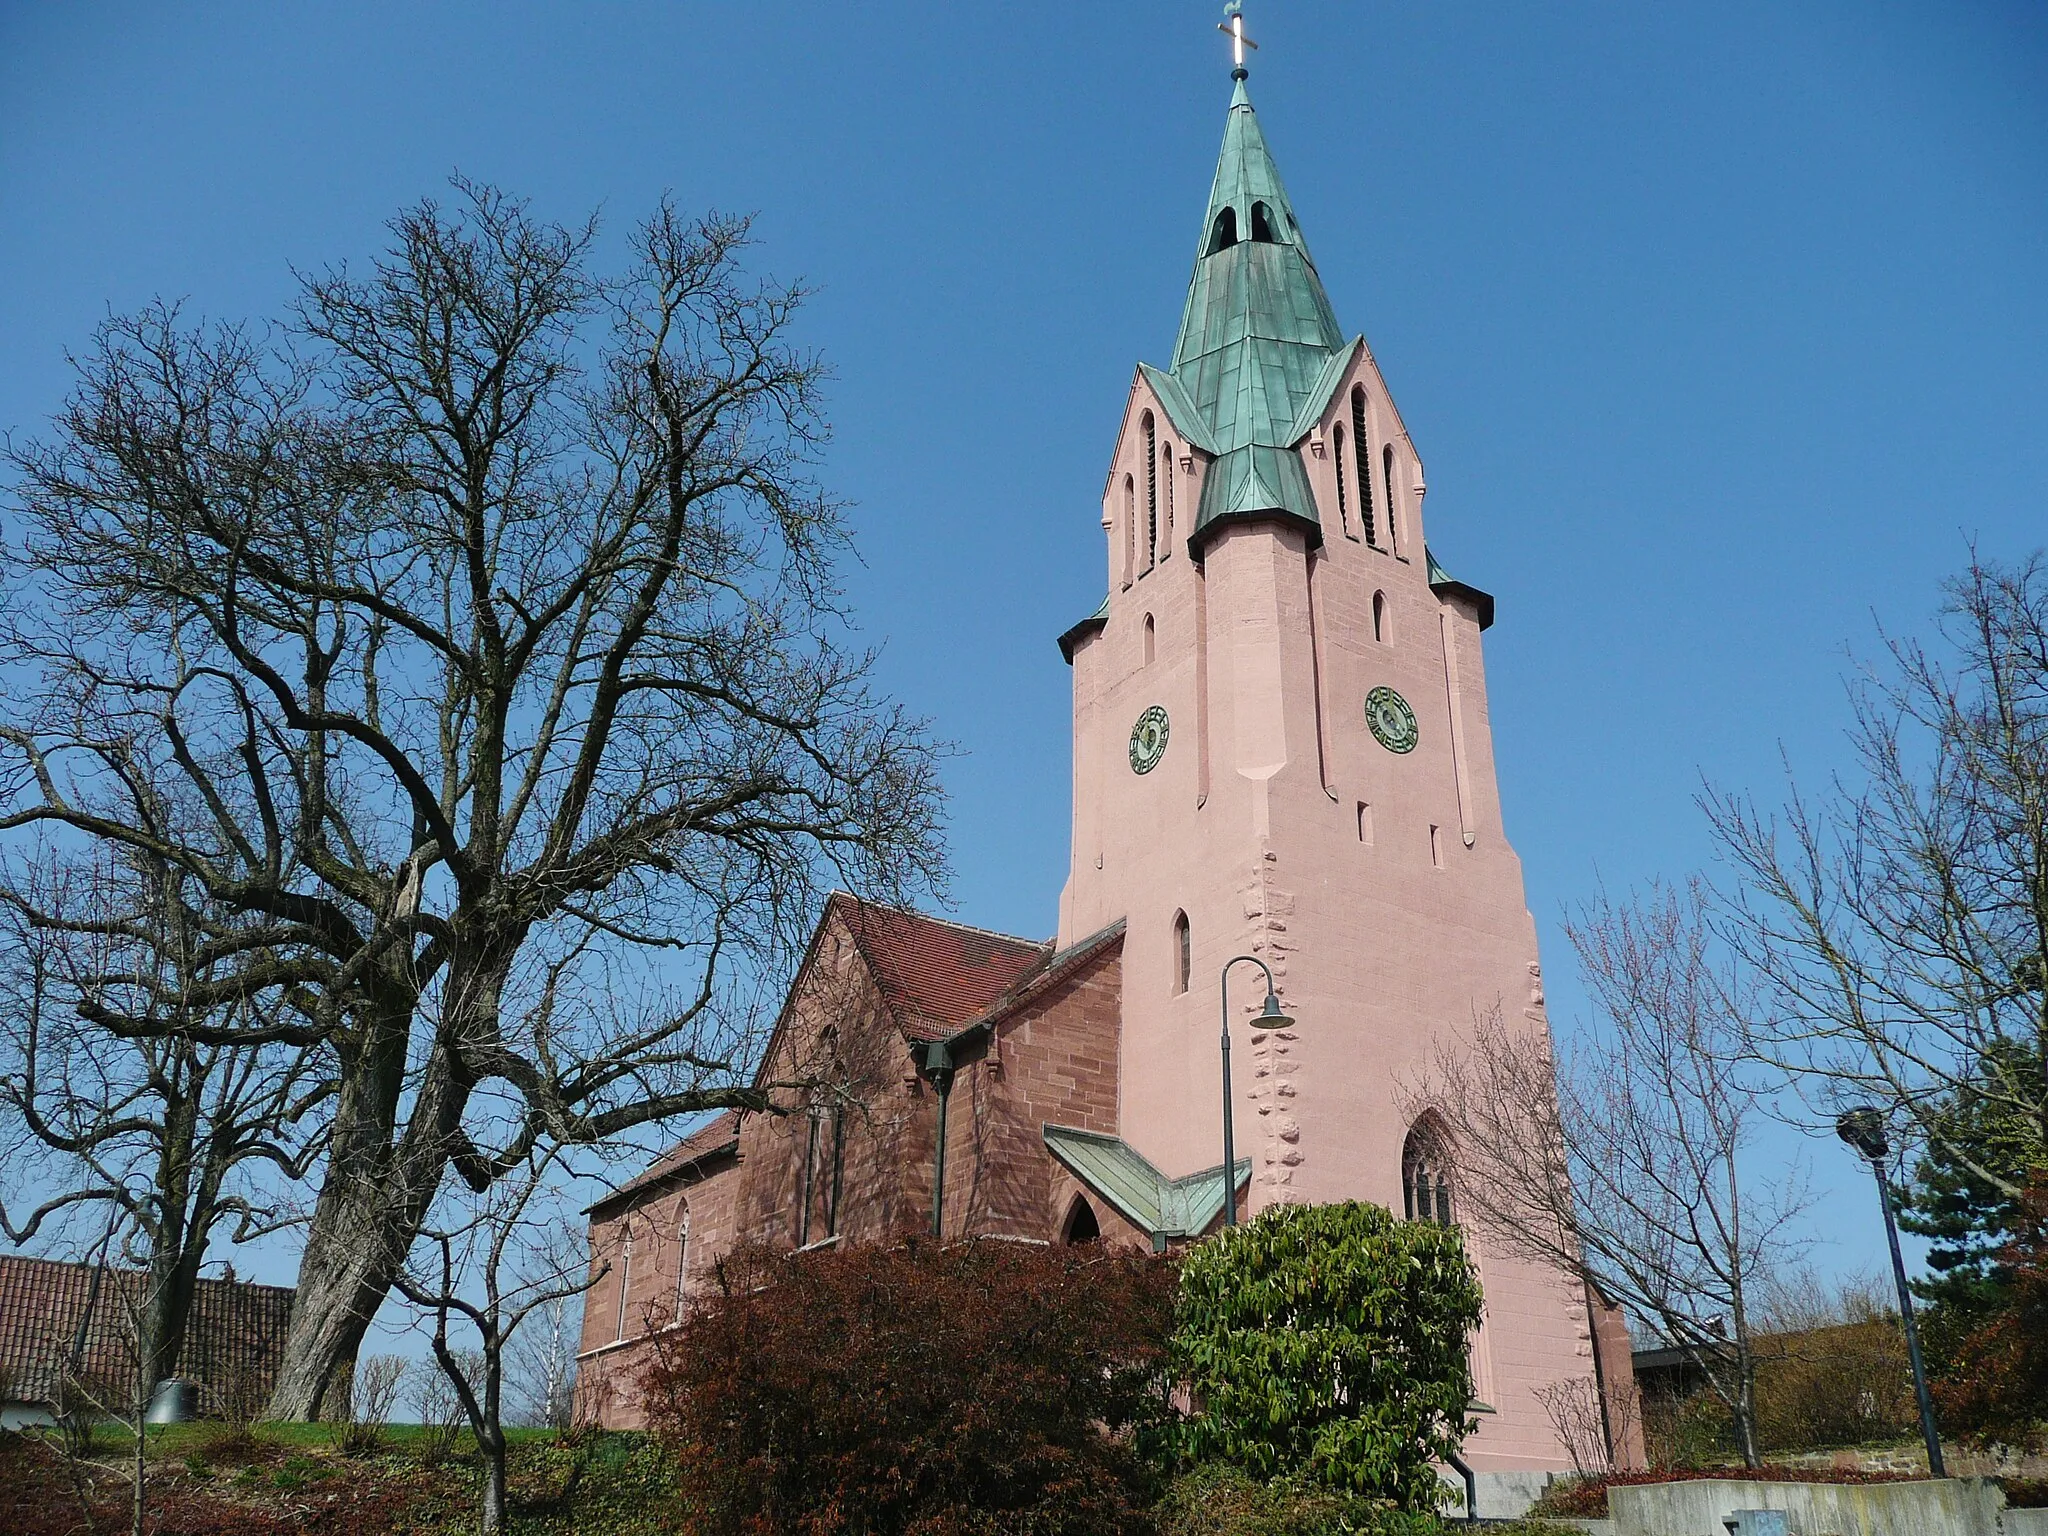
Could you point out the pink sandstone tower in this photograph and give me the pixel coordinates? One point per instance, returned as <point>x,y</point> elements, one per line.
<point>1282,749</point>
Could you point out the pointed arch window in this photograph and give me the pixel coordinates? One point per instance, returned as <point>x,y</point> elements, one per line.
<point>682,1253</point>
<point>1426,1174</point>
<point>1150,640</point>
<point>824,1175</point>
<point>1151,492</point>
<point>1379,616</point>
<point>1387,480</point>
<point>1343,499</point>
<point>625,1277</point>
<point>1183,953</point>
<point>1082,1227</point>
<point>1262,224</point>
<point>1223,233</point>
<point>1361,448</point>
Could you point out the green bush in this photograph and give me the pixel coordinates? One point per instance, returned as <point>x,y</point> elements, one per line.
<point>1326,1344</point>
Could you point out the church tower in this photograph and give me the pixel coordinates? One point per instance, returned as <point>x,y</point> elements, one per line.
<point>1282,749</point>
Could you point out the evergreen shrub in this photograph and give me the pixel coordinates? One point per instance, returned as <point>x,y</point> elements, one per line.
<point>975,1387</point>
<point>1327,1345</point>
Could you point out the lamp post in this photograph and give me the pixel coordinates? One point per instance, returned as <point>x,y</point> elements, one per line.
<point>1270,1017</point>
<point>1862,1130</point>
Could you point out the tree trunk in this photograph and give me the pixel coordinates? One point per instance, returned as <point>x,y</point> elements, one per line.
<point>494,1485</point>
<point>372,1201</point>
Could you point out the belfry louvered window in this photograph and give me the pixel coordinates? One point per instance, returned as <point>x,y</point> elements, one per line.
<point>1361,450</point>
<point>1166,471</point>
<point>1151,492</point>
<point>1343,500</point>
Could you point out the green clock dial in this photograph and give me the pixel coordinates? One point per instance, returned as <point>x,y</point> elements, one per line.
<point>1148,740</point>
<point>1392,721</point>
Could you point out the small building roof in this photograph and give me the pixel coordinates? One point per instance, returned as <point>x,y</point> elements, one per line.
<point>1163,1208</point>
<point>716,1138</point>
<point>232,1343</point>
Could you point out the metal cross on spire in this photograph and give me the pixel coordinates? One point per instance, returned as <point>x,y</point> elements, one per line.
<point>1233,23</point>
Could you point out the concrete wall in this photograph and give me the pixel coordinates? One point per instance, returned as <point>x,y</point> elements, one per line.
<point>1954,1506</point>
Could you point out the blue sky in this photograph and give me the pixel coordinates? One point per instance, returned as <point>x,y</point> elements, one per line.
<point>1721,328</point>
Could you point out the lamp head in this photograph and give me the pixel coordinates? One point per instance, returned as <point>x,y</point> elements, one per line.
<point>1272,1016</point>
<point>1862,1130</point>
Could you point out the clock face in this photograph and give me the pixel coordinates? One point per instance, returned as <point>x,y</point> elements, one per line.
<point>1392,721</point>
<point>1148,740</point>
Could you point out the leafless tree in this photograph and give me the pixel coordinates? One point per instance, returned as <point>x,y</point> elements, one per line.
<point>1622,1162</point>
<point>1898,925</point>
<point>540,1360</point>
<point>480,623</point>
<point>496,1264</point>
<point>174,1133</point>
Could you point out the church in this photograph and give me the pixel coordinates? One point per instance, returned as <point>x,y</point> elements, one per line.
<point>1281,757</point>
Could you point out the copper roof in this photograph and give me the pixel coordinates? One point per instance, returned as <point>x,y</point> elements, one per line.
<point>934,975</point>
<point>232,1342</point>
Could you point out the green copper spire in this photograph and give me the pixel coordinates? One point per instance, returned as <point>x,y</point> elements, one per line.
<point>1257,337</point>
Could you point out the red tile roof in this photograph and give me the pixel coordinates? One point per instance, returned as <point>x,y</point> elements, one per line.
<point>232,1343</point>
<point>935,975</point>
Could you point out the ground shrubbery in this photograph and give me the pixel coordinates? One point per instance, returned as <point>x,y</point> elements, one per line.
<point>933,1389</point>
<point>1319,1353</point>
<point>1327,1343</point>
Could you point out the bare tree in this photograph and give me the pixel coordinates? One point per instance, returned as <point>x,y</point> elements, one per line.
<point>1623,1163</point>
<point>1899,925</point>
<point>484,629</point>
<point>540,1360</point>
<point>496,1264</point>
<point>175,1134</point>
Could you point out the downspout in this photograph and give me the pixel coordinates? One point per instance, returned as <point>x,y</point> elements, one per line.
<point>938,1066</point>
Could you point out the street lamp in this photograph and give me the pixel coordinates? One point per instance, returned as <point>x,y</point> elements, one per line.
<point>1270,1017</point>
<point>1862,1129</point>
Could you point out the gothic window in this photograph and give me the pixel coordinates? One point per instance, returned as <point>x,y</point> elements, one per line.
<point>1387,479</point>
<point>1361,449</point>
<point>824,1175</point>
<point>682,1253</point>
<point>1082,1226</point>
<point>1148,640</point>
<point>1224,235</point>
<point>1183,952</point>
<point>1151,492</point>
<point>1379,615</point>
<point>1426,1175</point>
<point>1262,223</point>
<point>1343,500</point>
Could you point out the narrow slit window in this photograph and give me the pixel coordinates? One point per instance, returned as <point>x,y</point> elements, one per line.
<point>1379,616</point>
<point>1149,641</point>
<point>1130,528</point>
<point>682,1254</point>
<point>1183,952</point>
<point>1361,449</point>
<point>1436,846</point>
<point>1365,823</point>
<point>1387,480</point>
<point>1166,474</point>
<point>625,1278</point>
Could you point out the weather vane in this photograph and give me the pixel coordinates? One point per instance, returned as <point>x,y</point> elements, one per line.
<point>1233,23</point>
